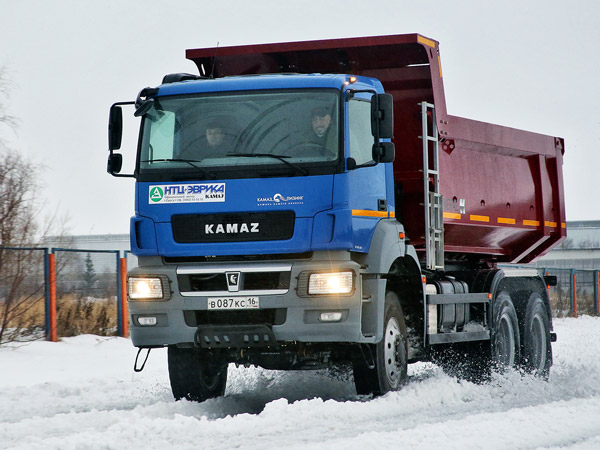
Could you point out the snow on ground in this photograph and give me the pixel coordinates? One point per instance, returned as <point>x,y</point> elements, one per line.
<point>82,393</point>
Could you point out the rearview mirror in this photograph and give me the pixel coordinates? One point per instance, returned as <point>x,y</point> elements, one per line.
<point>115,138</point>
<point>115,162</point>
<point>382,116</point>
<point>115,127</point>
<point>384,152</point>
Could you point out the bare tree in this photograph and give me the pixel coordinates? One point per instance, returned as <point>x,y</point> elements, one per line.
<point>21,229</point>
<point>19,212</point>
<point>7,122</point>
<point>566,244</point>
<point>588,243</point>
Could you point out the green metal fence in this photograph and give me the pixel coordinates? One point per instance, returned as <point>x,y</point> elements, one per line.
<point>577,292</point>
<point>62,292</point>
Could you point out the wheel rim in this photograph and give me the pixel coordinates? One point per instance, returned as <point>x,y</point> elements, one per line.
<point>393,345</point>
<point>505,342</point>
<point>538,343</point>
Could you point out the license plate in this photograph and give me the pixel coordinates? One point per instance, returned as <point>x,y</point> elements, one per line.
<point>233,303</point>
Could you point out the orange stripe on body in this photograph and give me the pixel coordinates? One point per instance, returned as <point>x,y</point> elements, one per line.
<point>449,215</point>
<point>507,220</point>
<point>425,41</point>
<point>477,218</point>
<point>370,213</point>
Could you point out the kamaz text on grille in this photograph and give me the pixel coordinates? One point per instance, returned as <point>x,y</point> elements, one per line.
<point>231,228</point>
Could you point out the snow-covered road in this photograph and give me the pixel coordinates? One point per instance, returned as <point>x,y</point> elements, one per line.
<point>82,393</point>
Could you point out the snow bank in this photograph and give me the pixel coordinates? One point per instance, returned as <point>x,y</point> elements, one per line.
<point>82,393</point>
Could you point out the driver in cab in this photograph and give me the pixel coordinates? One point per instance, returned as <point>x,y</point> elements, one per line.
<point>320,139</point>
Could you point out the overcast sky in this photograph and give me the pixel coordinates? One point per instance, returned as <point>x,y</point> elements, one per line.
<point>525,64</point>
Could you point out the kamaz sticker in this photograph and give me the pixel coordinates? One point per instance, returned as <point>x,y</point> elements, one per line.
<point>279,199</point>
<point>187,193</point>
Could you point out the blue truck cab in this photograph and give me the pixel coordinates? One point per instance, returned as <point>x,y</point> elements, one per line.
<point>260,249</point>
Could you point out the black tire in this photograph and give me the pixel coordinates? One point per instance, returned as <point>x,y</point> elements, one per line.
<point>466,360</point>
<point>475,361</point>
<point>388,370</point>
<point>536,350</point>
<point>194,375</point>
<point>505,342</point>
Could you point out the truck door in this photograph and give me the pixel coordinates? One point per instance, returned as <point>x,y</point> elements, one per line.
<point>367,185</point>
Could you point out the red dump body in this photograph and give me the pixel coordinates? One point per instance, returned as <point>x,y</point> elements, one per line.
<point>502,187</point>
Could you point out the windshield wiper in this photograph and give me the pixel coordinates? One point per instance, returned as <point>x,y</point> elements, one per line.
<point>191,162</point>
<point>281,158</point>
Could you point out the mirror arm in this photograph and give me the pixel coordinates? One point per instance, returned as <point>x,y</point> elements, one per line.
<point>352,164</point>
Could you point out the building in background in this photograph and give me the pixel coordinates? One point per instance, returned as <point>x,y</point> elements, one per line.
<point>581,249</point>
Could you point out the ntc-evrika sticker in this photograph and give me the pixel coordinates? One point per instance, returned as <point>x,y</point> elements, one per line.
<point>187,193</point>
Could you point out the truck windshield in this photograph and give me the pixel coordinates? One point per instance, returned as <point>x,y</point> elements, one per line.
<point>240,135</point>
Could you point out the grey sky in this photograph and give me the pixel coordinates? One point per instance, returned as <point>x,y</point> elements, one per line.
<point>525,64</point>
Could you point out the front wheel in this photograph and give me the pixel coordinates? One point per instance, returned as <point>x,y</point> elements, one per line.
<point>195,374</point>
<point>387,369</point>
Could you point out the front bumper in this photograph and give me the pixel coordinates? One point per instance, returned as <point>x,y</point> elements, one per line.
<point>290,313</point>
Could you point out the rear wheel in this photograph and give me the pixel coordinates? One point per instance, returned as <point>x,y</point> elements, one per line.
<point>506,345</point>
<point>388,366</point>
<point>474,361</point>
<point>536,350</point>
<point>195,375</point>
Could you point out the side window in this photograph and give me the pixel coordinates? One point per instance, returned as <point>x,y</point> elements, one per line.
<point>161,136</point>
<point>361,139</point>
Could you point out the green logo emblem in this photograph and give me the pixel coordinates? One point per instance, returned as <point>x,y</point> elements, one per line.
<point>156,194</point>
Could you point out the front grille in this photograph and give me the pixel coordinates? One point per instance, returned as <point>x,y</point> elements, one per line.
<point>254,281</point>
<point>249,281</point>
<point>273,316</point>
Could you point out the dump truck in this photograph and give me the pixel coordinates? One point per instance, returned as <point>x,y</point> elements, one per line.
<point>309,205</point>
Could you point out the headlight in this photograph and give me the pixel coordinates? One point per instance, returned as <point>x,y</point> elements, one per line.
<point>145,288</point>
<point>330,283</point>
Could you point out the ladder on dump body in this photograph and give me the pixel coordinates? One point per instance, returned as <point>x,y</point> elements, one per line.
<point>434,214</point>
